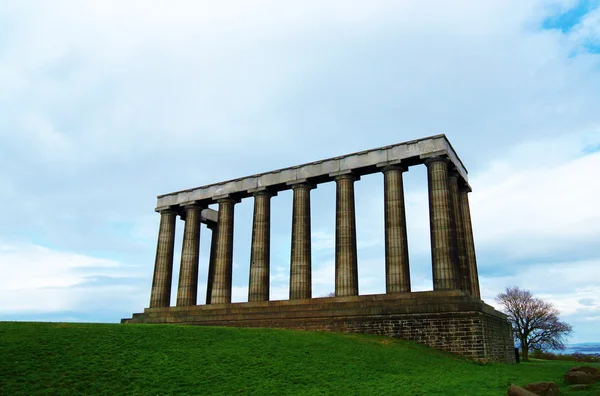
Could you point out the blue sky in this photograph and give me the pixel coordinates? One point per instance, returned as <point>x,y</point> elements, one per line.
<point>105,106</point>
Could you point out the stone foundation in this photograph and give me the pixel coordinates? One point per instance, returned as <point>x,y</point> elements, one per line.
<point>452,321</point>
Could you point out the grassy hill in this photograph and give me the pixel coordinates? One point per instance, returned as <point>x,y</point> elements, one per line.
<point>61,358</point>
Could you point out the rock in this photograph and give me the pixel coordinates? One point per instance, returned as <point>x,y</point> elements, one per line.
<point>515,390</point>
<point>578,377</point>
<point>543,388</point>
<point>586,369</point>
<point>579,387</point>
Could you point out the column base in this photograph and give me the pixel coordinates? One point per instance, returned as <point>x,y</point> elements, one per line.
<point>448,320</point>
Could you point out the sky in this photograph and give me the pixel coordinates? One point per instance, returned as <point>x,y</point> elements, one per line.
<point>105,105</point>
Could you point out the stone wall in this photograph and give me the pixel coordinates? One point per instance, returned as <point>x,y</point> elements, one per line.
<point>499,338</point>
<point>450,321</point>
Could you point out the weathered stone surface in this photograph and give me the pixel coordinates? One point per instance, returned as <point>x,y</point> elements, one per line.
<point>160,295</point>
<point>586,369</point>
<point>515,390</point>
<point>397,270</point>
<point>579,377</point>
<point>187,290</point>
<point>443,233</point>
<point>346,258</point>
<point>465,211</point>
<point>258,288</point>
<point>363,163</point>
<point>464,275</point>
<point>221,289</point>
<point>543,388</point>
<point>209,216</point>
<point>211,261</point>
<point>300,262</point>
<point>447,320</point>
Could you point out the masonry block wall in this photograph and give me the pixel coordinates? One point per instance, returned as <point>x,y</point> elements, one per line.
<point>448,320</point>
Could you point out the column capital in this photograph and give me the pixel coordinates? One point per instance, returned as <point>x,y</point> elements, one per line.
<point>394,164</point>
<point>463,185</point>
<point>437,158</point>
<point>263,191</point>
<point>399,167</point>
<point>345,175</point>
<point>193,205</point>
<point>166,210</point>
<point>302,184</point>
<point>186,208</point>
<point>226,198</point>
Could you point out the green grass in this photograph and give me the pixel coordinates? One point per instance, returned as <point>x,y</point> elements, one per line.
<point>60,358</point>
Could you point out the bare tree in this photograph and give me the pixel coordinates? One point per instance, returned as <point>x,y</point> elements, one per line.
<point>535,322</point>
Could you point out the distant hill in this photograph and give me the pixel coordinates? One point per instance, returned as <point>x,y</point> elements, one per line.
<point>587,348</point>
<point>67,358</point>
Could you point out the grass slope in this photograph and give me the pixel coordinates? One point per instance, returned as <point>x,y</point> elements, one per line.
<point>60,358</point>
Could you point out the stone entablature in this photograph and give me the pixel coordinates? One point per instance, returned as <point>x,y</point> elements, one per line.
<point>361,163</point>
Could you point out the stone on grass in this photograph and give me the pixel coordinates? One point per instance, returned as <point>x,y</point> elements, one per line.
<point>579,387</point>
<point>586,369</point>
<point>580,377</point>
<point>543,388</point>
<point>515,390</point>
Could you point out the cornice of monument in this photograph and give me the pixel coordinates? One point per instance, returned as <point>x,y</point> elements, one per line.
<point>365,162</point>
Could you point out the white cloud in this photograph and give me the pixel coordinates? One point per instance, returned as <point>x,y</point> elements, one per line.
<point>321,240</point>
<point>538,201</point>
<point>38,279</point>
<point>592,319</point>
<point>108,104</point>
<point>563,283</point>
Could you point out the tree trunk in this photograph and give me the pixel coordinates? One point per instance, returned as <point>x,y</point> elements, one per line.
<point>525,350</point>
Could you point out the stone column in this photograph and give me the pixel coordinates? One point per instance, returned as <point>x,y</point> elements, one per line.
<point>187,291</point>
<point>464,277</point>
<point>300,266</point>
<point>443,248</point>
<point>221,290</point>
<point>346,262</point>
<point>211,261</point>
<point>163,265</point>
<point>463,198</point>
<point>397,269</point>
<point>258,288</point>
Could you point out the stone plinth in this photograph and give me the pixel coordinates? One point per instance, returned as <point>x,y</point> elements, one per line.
<point>449,320</point>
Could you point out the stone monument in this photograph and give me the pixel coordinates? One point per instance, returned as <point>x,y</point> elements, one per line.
<point>451,317</point>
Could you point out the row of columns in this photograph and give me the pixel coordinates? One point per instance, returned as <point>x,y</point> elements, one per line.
<point>453,254</point>
<point>452,246</point>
